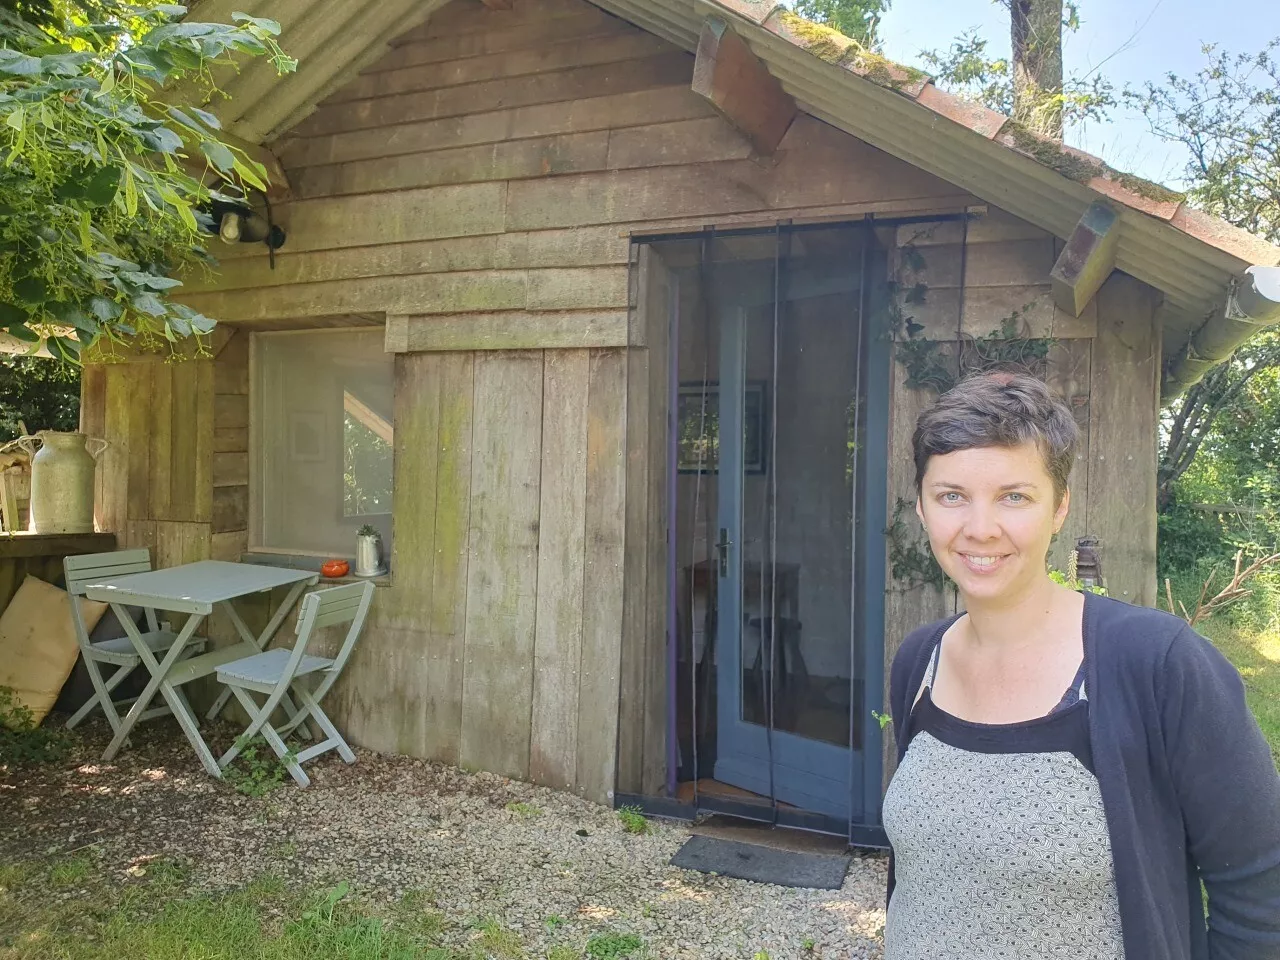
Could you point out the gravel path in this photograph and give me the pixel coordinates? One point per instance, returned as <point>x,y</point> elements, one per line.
<point>476,845</point>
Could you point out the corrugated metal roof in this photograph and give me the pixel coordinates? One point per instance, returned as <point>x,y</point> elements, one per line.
<point>1187,255</point>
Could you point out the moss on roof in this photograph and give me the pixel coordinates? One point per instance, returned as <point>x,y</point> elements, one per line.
<point>832,46</point>
<point>1146,188</point>
<point>1054,155</point>
<point>1083,169</point>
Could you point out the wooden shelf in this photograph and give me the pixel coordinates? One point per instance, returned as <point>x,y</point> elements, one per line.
<point>23,544</point>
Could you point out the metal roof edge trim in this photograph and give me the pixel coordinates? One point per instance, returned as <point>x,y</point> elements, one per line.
<point>1151,199</point>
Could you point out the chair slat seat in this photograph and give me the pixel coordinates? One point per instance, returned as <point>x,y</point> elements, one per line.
<point>121,646</point>
<point>273,672</point>
<point>267,668</point>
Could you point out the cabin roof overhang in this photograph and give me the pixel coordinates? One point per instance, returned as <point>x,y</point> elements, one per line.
<point>1196,261</point>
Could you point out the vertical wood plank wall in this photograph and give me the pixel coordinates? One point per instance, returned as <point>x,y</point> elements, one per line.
<point>496,646</point>
<point>479,186</point>
<point>155,480</point>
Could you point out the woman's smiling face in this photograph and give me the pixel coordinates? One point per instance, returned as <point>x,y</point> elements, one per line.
<point>990,513</point>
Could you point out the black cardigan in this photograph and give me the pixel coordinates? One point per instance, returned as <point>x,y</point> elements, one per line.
<point>1188,782</point>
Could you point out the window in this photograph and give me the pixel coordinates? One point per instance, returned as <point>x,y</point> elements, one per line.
<point>324,440</point>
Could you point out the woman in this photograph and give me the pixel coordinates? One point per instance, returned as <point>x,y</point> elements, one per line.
<point>1071,767</point>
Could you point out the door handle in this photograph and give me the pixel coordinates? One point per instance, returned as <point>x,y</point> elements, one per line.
<point>722,551</point>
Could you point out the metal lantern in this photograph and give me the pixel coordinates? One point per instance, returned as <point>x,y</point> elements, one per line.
<point>1089,562</point>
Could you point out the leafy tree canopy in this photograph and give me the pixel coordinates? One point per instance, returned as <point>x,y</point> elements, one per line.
<point>1228,118</point>
<point>102,192</point>
<point>37,393</point>
<point>859,19</point>
<point>1221,440</point>
<point>967,68</point>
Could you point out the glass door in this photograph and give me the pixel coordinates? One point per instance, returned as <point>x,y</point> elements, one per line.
<point>788,327</point>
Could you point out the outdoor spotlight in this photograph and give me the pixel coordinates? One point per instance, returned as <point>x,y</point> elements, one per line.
<point>229,229</point>
<point>238,222</point>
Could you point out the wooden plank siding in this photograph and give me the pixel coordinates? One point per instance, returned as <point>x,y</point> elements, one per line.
<point>1124,419</point>
<point>479,187</point>
<point>155,481</point>
<point>500,626</point>
<point>479,181</point>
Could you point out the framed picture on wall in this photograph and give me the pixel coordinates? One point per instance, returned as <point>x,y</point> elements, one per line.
<point>698,427</point>
<point>308,436</point>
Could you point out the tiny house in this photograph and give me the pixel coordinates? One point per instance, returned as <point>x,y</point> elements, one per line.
<point>614,319</point>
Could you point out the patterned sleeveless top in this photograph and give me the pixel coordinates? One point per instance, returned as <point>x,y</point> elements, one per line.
<point>1000,841</point>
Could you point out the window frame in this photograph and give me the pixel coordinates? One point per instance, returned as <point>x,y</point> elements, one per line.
<point>257,472</point>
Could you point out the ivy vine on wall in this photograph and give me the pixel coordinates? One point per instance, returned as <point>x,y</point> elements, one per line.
<point>938,365</point>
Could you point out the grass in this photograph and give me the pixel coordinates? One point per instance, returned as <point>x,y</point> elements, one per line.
<point>526,810</point>
<point>614,946</point>
<point>633,820</point>
<point>72,871</point>
<point>498,941</point>
<point>155,915</point>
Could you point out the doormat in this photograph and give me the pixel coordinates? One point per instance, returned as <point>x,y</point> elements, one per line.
<point>749,861</point>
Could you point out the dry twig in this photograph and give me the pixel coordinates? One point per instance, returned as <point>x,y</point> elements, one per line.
<point>1233,591</point>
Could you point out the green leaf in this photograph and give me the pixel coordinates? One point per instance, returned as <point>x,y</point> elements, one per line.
<point>207,118</point>
<point>182,118</point>
<point>71,315</point>
<point>184,211</point>
<point>118,263</point>
<point>183,31</point>
<point>65,348</point>
<point>105,310</point>
<point>162,283</point>
<point>18,64</point>
<point>16,119</point>
<point>251,176</point>
<point>101,186</point>
<point>148,303</point>
<point>31,290</point>
<point>150,280</point>
<point>263,24</point>
<point>11,314</point>
<point>219,155</point>
<point>130,191</point>
<point>163,140</point>
<point>64,64</point>
<point>24,333</point>
<point>95,31</point>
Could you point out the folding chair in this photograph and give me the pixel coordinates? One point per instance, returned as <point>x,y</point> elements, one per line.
<point>117,651</point>
<point>273,672</point>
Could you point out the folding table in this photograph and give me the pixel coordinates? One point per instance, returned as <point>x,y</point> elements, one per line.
<point>195,589</point>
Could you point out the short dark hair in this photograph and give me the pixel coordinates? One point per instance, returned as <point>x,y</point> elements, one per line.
<point>999,409</point>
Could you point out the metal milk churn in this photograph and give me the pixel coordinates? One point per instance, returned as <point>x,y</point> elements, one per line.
<point>62,481</point>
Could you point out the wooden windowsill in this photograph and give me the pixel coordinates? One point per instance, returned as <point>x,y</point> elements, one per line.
<point>301,562</point>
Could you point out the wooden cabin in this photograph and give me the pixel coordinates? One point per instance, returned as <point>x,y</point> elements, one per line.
<point>614,318</point>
